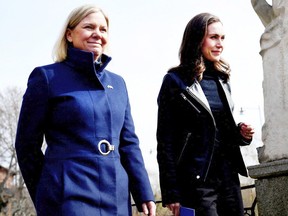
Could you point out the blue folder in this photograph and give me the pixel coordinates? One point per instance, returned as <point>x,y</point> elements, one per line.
<point>184,211</point>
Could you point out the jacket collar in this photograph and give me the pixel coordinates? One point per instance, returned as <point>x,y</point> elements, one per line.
<point>84,61</point>
<point>196,89</point>
<point>226,88</point>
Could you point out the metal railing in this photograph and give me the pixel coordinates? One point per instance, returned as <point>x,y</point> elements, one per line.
<point>248,211</point>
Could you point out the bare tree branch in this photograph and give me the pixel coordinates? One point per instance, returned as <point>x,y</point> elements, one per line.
<point>12,187</point>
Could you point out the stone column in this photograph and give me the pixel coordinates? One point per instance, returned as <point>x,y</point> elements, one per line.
<point>272,173</point>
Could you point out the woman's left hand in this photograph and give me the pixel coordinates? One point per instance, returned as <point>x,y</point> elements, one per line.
<point>149,208</point>
<point>246,131</point>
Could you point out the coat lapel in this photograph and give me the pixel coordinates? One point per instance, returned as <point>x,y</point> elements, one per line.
<point>196,89</point>
<point>226,89</point>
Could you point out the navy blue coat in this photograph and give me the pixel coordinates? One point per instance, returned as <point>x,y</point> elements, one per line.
<point>93,160</point>
<point>186,136</point>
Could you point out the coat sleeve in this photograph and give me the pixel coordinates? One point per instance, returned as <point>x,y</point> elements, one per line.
<point>132,160</point>
<point>167,140</point>
<point>30,130</point>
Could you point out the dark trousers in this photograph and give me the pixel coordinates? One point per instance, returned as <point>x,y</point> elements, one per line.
<point>220,195</point>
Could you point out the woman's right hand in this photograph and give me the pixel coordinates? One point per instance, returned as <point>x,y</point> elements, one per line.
<point>246,131</point>
<point>174,208</point>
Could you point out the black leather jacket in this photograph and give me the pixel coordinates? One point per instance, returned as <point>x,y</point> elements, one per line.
<point>186,135</point>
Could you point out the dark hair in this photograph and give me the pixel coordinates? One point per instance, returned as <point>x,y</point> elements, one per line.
<point>192,63</point>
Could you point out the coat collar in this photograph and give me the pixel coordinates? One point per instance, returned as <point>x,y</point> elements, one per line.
<point>227,91</point>
<point>84,61</point>
<point>196,89</point>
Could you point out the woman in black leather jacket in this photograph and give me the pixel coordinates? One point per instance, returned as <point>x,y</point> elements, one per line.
<point>198,140</point>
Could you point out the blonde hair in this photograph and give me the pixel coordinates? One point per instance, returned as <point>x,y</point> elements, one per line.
<point>74,18</point>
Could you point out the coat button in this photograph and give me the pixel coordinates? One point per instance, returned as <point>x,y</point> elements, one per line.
<point>198,177</point>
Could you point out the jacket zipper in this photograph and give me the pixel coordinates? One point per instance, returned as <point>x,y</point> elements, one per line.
<point>185,98</point>
<point>209,111</point>
<point>199,101</point>
<point>185,144</point>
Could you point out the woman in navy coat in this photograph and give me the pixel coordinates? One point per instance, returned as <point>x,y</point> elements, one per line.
<point>93,160</point>
<point>198,140</point>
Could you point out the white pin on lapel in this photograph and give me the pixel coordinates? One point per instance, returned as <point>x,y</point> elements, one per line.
<point>109,86</point>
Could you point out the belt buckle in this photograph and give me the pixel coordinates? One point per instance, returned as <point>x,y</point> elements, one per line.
<point>108,146</point>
